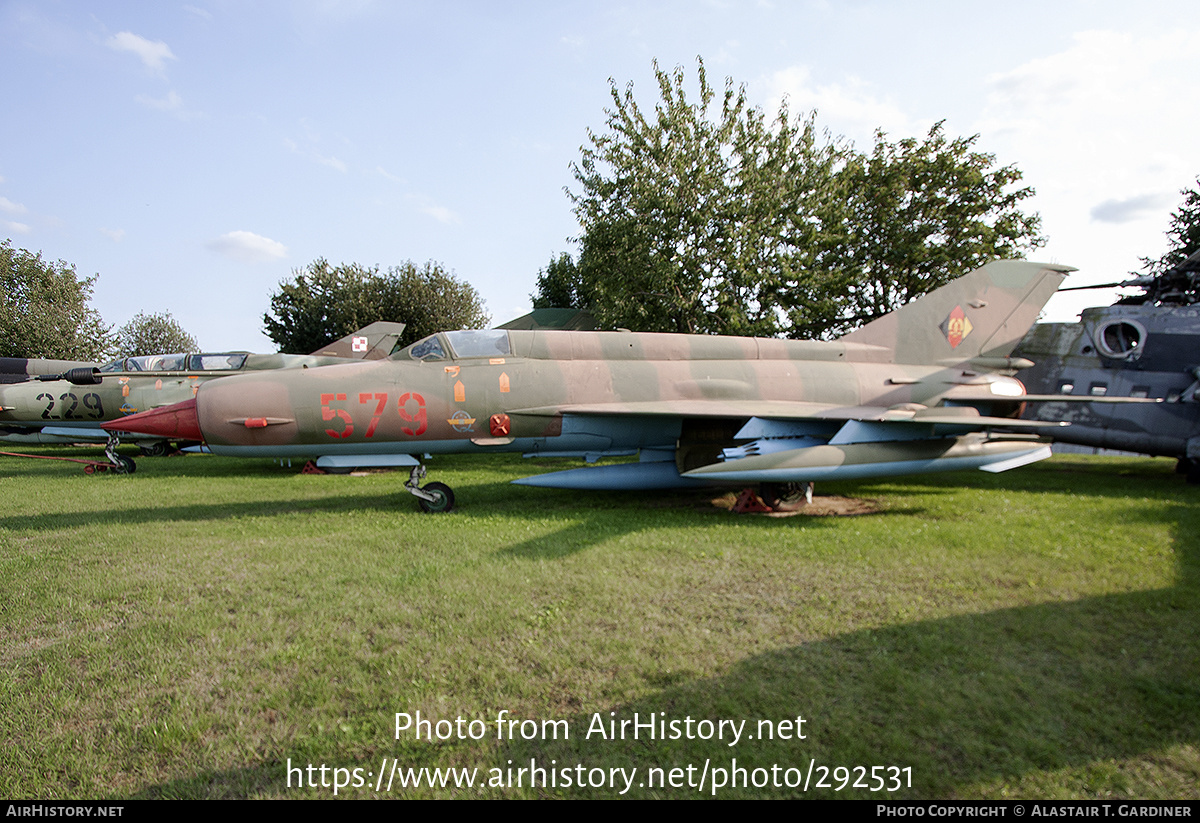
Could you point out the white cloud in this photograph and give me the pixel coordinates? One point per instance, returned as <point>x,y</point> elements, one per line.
<point>850,108</point>
<point>9,207</point>
<point>153,53</point>
<point>15,228</point>
<point>441,214</point>
<point>171,104</point>
<point>116,235</point>
<point>248,247</point>
<point>387,175</point>
<point>1111,111</point>
<point>332,162</point>
<point>1104,130</point>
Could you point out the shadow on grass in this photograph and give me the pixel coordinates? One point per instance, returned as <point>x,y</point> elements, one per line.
<point>1051,698</point>
<point>967,702</point>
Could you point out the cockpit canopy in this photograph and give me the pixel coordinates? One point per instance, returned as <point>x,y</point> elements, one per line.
<point>462,344</point>
<point>222,361</point>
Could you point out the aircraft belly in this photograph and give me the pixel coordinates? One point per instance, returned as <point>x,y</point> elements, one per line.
<point>456,446</point>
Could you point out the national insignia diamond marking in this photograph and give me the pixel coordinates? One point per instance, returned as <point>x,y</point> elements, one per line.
<point>956,327</point>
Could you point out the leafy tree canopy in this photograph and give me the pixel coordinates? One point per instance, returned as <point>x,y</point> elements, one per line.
<point>153,334</point>
<point>1183,236</point>
<point>45,310</point>
<point>705,217</point>
<point>558,284</point>
<point>324,303</point>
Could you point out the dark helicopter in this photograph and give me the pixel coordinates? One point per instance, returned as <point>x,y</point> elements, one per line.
<point>1145,345</point>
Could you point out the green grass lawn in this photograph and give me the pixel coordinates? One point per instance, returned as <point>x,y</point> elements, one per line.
<point>187,630</point>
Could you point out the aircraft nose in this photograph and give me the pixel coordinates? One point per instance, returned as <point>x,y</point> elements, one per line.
<point>175,422</point>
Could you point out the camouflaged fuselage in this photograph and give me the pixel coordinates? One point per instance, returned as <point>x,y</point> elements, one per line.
<point>916,390</point>
<point>634,391</point>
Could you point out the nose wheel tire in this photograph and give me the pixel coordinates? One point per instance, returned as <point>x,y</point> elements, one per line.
<point>124,465</point>
<point>443,498</point>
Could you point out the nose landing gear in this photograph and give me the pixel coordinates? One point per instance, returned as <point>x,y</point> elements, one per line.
<point>433,498</point>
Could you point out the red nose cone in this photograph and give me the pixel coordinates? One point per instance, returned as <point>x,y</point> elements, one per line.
<point>176,422</point>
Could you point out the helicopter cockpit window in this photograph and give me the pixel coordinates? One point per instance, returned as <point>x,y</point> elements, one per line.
<point>225,361</point>
<point>479,343</point>
<point>428,349</point>
<point>1120,338</point>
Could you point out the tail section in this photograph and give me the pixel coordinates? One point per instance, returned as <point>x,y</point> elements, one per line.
<point>983,314</point>
<point>373,342</point>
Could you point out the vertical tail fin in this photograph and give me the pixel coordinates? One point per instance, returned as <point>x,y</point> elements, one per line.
<point>984,313</point>
<point>373,342</point>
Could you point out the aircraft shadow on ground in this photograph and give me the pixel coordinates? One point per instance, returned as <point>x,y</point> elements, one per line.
<point>1086,683</point>
<point>1080,685</point>
<point>1041,701</point>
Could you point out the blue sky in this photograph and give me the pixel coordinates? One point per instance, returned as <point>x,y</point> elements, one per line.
<point>193,155</point>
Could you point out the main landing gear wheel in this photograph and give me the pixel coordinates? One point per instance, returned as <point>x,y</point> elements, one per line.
<point>160,448</point>
<point>784,495</point>
<point>443,498</point>
<point>433,498</point>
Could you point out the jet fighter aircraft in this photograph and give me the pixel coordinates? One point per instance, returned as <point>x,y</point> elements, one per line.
<point>44,410</point>
<point>918,390</point>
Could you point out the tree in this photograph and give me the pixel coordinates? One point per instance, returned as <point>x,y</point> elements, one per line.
<point>691,216</point>
<point>153,334</point>
<point>324,303</point>
<point>1183,235</point>
<point>45,310</point>
<point>919,213</point>
<point>558,284</point>
<point>717,221</point>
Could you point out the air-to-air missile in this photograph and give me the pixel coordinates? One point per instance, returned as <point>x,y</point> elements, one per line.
<point>66,402</point>
<point>1145,346</point>
<point>925,388</point>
